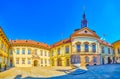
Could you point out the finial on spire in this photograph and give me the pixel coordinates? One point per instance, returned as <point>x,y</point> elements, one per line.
<point>84,20</point>
<point>84,8</point>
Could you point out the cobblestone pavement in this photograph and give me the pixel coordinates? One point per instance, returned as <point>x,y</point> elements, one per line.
<point>33,72</point>
<point>109,71</point>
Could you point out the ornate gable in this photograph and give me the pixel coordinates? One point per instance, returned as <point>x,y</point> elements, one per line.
<point>85,32</point>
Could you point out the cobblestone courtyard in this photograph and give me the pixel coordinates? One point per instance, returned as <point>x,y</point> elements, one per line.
<point>110,71</point>
<point>33,72</point>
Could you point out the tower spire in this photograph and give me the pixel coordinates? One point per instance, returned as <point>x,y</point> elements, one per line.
<point>84,20</point>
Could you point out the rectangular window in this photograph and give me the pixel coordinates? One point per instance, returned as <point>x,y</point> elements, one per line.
<point>67,49</point>
<point>93,48</point>
<point>103,51</point>
<point>41,61</point>
<point>23,51</point>
<point>29,61</point>
<point>58,51</point>
<point>108,50</point>
<point>78,47</point>
<point>86,48</point>
<point>23,61</point>
<point>41,53</point>
<point>45,53</point>
<point>17,61</point>
<point>17,51</point>
<point>29,51</point>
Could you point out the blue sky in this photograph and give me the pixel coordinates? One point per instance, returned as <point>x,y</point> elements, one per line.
<point>49,21</point>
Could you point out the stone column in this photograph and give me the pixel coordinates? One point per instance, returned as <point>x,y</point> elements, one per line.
<point>82,47</point>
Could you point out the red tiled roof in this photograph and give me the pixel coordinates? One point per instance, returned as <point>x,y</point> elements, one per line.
<point>61,42</point>
<point>30,43</point>
<point>104,42</point>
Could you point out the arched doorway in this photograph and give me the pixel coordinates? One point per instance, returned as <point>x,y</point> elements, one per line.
<point>35,63</point>
<point>59,62</point>
<point>67,62</point>
<point>94,60</point>
<point>109,60</point>
<point>11,62</point>
<point>113,59</point>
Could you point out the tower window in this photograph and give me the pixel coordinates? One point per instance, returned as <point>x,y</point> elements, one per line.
<point>78,47</point>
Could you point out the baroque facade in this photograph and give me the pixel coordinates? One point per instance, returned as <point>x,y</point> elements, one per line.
<point>83,45</point>
<point>4,50</point>
<point>116,48</point>
<point>28,53</point>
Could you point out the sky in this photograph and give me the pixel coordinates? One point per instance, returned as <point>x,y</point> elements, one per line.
<point>50,21</point>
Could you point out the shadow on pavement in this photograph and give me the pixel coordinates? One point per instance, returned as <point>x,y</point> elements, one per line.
<point>18,77</point>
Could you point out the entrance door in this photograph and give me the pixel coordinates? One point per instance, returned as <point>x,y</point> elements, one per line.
<point>109,60</point>
<point>59,62</point>
<point>35,63</point>
<point>67,62</point>
<point>10,62</point>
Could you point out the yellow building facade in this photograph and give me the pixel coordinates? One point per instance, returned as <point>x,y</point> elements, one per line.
<point>60,53</point>
<point>28,53</point>
<point>4,50</point>
<point>116,48</point>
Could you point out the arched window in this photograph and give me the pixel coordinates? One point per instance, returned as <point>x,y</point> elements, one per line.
<point>87,59</point>
<point>93,48</point>
<point>86,48</point>
<point>78,47</point>
<point>94,59</point>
